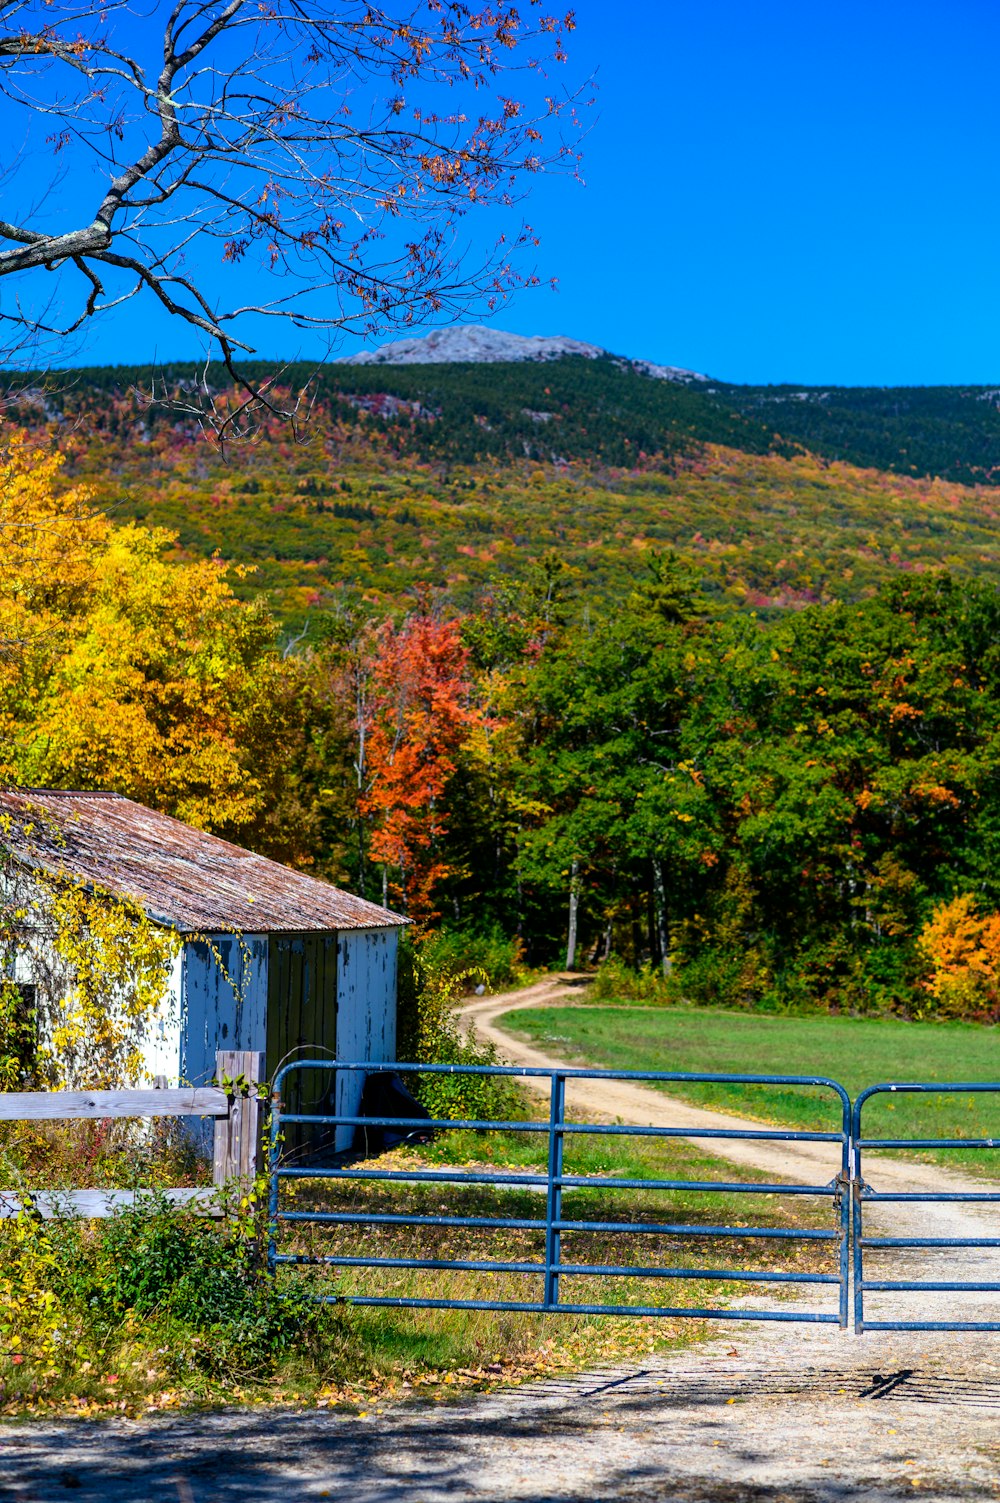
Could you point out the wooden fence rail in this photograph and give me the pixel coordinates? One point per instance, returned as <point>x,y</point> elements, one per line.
<point>236,1152</point>
<point>37,1106</point>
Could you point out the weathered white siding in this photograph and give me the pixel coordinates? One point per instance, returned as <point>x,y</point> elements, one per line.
<point>223,1002</point>
<point>366,1010</point>
<point>161,1047</point>
<point>37,962</point>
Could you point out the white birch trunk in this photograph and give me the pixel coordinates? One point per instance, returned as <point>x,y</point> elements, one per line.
<point>660,892</point>
<point>574,901</point>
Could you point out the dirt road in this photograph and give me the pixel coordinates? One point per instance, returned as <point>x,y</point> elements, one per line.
<point>810,1163</point>
<point>761,1415</point>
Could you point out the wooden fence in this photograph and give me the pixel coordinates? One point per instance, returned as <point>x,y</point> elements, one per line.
<point>236,1148</point>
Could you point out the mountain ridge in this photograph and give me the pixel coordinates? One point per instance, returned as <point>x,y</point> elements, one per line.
<point>477,344</point>
<point>450,477</point>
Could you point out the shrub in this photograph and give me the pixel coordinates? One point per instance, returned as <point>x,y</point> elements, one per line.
<point>31,1322</point>
<point>615,980</point>
<point>720,977</point>
<point>429,1033</point>
<point>961,950</point>
<point>496,958</point>
<point>206,1284</point>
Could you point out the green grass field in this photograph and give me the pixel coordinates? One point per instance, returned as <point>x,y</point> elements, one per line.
<point>857,1052</point>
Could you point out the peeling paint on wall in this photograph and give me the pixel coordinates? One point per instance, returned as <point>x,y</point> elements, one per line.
<point>224,1000</point>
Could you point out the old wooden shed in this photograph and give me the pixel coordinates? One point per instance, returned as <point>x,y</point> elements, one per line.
<point>269,959</point>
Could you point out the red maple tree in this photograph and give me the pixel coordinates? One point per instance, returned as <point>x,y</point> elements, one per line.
<point>421,711</point>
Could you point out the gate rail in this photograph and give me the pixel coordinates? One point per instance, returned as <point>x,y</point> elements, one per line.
<point>552,1268</point>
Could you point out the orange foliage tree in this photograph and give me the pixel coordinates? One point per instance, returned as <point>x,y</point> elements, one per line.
<point>420,714</point>
<point>962,948</point>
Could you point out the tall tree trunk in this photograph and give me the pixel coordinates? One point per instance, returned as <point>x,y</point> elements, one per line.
<point>635,924</point>
<point>574,902</point>
<point>662,931</point>
<point>518,887</point>
<point>360,769</point>
<point>652,940</point>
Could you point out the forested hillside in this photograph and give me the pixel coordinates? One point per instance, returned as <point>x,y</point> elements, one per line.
<point>448,477</point>
<point>951,431</point>
<point>597,412</point>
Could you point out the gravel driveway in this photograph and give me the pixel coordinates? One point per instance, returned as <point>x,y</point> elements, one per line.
<point>782,1413</point>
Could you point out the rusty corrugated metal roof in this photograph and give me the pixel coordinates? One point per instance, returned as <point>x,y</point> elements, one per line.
<point>179,875</point>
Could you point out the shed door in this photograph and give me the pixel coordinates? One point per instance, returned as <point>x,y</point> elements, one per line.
<point>302,1012</point>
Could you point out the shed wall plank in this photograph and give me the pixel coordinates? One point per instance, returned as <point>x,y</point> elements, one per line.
<point>216,1013</point>
<point>366,1011</point>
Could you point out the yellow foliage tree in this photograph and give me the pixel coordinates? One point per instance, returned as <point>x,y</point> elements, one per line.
<point>124,668</point>
<point>962,950</point>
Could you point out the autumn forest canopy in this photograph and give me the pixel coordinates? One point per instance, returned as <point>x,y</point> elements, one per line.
<point>721,665</point>
<point>450,477</point>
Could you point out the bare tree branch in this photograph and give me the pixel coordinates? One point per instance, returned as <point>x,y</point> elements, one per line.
<point>323,150</point>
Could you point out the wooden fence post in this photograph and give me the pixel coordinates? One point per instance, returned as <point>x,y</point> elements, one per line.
<point>237,1153</point>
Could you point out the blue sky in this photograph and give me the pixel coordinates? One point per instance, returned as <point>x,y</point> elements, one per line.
<point>786,191</point>
<point>774,192</point>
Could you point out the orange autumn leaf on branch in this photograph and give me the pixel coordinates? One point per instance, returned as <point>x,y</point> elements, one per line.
<point>421,714</point>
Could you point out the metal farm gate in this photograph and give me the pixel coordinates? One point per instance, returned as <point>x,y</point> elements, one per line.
<point>525,1226</point>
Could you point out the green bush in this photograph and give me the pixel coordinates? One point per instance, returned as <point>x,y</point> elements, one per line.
<point>718,976</point>
<point>495,958</point>
<point>828,976</point>
<point>616,981</point>
<point>429,1033</point>
<point>205,1283</point>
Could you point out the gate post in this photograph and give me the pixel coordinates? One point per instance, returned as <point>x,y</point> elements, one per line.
<point>236,1156</point>
<point>857,1224</point>
<point>553,1209</point>
<point>845,1205</point>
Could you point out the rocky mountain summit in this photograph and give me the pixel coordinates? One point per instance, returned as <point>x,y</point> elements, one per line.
<point>480,345</point>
